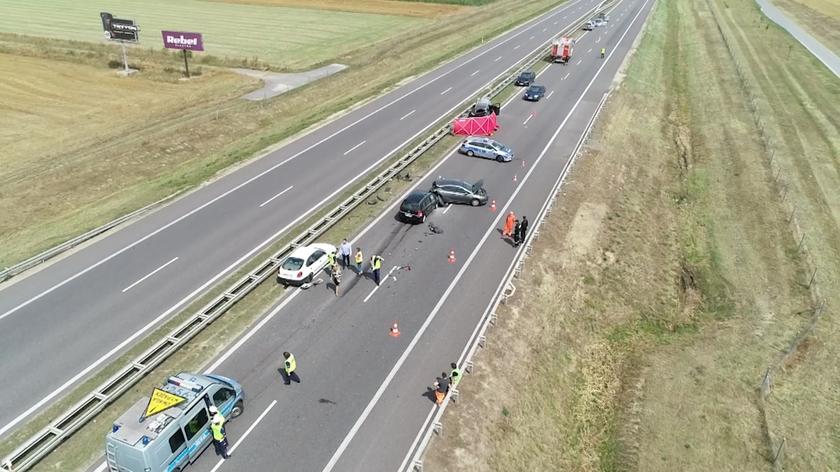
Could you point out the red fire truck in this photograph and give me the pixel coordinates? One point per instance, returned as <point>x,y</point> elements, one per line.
<point>561,50</point>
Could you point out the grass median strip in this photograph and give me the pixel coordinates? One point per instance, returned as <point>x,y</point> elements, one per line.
<point>672,275</point>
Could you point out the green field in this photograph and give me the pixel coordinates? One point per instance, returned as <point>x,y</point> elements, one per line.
<point>287,38</point>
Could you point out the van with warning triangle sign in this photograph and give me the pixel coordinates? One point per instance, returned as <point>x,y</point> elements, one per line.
<point>170,428</point>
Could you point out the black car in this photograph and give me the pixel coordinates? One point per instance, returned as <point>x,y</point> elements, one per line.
<point>526,78</point>
<point>534,93</point>
<point>459,191</point>
<point>417,206</point>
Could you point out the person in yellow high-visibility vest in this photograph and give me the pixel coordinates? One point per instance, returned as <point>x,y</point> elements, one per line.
<point>360,258</point>
<point>603,52</point>
<point>375,267</point>
<point>220,442</point>
<point>289,369</point>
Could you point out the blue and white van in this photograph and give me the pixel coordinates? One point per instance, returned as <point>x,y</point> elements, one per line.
<point>173,438</point>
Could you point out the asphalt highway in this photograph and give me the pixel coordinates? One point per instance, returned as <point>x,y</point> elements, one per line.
<point>363,397</point>
<point>85,309</point>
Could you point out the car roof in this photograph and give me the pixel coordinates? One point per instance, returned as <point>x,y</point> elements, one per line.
<point>303,252</point>
<point>415,196</point>
<point>478,139</point>
<point>535,86</point>
<point>453,182</point>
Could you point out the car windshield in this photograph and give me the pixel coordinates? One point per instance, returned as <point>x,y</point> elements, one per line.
<point>292,263</point>
<point>534,89</point>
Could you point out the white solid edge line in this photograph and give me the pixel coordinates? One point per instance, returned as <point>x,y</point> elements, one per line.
<point>350,435</point>
<point>272,198</point>
<point>245,434</point>
<point>150,274</point>
<point>421,432</point>
<point>191,212</point>
<point>134,336</point>
<point>354,147</point>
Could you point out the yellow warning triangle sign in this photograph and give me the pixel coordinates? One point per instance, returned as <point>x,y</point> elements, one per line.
<point>161,400</point>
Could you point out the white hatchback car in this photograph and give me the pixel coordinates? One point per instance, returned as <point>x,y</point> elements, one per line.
<point>304,263</point>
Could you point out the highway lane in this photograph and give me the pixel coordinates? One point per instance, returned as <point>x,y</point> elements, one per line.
<point>348,364</point>
<point>92,305</point>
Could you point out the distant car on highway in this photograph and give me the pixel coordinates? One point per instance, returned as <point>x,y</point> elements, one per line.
<point>460,191</point>
<point>526,78</point>
<point>304,264</point>
<point>599,22</point>
<point>534,93</point>
<point>589,26</point>
<point>486,148</point>
<point>417,206</point>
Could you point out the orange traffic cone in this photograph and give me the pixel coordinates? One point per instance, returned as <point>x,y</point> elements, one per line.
<point>451,256</point>
<point>514,177</point>
<point>493,206</point>
<point>395,331</point>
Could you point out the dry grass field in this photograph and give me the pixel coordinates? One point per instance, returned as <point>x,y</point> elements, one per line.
<point>675,274</point>
<point>285,37</point>
<point>70,179</point>
<point>383,7</point>
<point>820,17</point>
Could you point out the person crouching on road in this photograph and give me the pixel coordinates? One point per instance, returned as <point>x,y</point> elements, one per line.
<point>220,442</point>
<point>335,273</point>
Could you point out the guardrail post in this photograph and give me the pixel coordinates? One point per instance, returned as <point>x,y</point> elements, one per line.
<point>454,393</point>
<point>493,318</point>
<point>482,340</point>
<point>418,465</point>
<point>468,367</point>
<point>438,428</point>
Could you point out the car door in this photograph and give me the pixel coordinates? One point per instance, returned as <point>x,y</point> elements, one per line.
<point>486,151</point>
<point>197,430</point>
<point>316,261</point>
<point>429,203</point>
<point>223,399</point>
<point>458,194</point>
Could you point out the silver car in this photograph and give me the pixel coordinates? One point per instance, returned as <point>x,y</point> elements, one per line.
<point>486,148</point>
<point>459,191</point>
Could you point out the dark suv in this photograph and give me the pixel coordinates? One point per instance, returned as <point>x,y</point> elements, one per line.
<point>526,78</point>
<point>417,206</point>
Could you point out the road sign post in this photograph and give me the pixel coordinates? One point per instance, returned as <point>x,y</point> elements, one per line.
<point>184,41</point>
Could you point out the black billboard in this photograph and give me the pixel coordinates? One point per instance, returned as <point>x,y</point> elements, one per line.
<point>118,29</point>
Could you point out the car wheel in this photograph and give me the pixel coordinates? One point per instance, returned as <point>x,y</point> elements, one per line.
<point>475,202</point>
<point>237,409</point>
<point>500,159</point>
<point>470,153</point>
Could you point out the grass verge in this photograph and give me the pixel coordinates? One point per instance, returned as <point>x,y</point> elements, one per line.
<point>673,274</point>
<point>111,170</point>
<point>821,18</point>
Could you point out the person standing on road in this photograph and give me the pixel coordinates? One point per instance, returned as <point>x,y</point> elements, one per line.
<point>376,267</point>
<point>220,442</point>
<point>523,229</point>
<point>509,221</point>
<point>603,52</point>
<point>289,369</point>
<point>345,250</point>
<point>516,228</point>
<point>441,388</point>
<point>360,258</point>
<point>455,374</point>
<point>330,258</point>
<point>335,273</point>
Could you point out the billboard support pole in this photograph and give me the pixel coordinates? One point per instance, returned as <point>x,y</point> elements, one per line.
<point>125,58</point>
<point>186,64</point>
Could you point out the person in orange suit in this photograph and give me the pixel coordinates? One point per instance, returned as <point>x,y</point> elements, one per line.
<point>509,222</point>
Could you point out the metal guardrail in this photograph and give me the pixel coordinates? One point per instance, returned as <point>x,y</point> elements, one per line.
<point>507,289</point>
<point>37,259</point>
<point>42,443</point>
